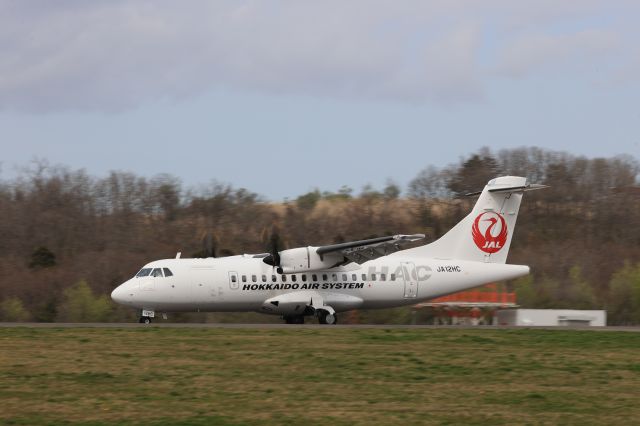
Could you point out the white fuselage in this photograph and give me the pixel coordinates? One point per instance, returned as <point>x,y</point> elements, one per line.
<point>246,283</point>
<point>377,273</point>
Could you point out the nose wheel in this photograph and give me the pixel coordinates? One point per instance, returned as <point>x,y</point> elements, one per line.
<point>146,316</point>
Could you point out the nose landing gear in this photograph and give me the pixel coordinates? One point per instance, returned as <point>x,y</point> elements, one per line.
<point>146,316</point>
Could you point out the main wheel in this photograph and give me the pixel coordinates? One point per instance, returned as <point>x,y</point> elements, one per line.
<point>145,320</point>
<point>325,317</point>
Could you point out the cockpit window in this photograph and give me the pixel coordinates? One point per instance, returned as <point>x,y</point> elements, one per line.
<point>157,272</point>
<point>144,272</point>
<point>167,272</point>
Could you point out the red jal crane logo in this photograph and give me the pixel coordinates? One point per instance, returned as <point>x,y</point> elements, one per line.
<point>495,232</point>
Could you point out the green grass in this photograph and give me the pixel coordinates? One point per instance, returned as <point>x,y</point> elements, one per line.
<point>160,376</point>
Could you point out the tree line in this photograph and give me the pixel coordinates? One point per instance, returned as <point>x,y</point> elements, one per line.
<point>68,238</point>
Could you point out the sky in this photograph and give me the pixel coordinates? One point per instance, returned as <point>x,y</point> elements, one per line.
<point>282,97</point>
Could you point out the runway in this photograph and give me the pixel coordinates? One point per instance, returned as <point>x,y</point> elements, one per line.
<point>303,326</point>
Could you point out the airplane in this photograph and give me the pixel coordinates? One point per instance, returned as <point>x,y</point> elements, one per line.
<point>323,281</point>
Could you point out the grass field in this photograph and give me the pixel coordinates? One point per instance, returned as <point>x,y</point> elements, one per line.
<point>162,376</point>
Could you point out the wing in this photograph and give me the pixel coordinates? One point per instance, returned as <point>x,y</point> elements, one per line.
<point>305,259</point>
<point>365,250</point>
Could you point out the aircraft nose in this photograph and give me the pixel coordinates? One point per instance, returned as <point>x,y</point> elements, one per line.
<point>118,294</point>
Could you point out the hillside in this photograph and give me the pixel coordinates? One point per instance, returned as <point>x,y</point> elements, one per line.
<point>69,238</point>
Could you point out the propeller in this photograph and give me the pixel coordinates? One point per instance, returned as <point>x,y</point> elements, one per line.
<point>209,244</point>
<point>274,243</point>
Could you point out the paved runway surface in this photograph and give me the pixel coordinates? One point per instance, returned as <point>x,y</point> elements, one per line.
<point>298,326</point>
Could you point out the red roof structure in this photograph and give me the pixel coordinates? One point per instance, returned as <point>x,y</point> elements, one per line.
<point>472,307</point>
<point>488,296</point>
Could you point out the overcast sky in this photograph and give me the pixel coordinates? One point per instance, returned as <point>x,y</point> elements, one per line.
<point>285,96</point>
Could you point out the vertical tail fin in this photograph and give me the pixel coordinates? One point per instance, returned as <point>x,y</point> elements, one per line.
<point>485,234</point>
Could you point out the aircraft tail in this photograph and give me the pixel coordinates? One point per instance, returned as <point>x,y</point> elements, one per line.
<point>485,234</point>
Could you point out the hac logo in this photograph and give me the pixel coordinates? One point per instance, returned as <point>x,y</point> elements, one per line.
<point>489,232</point>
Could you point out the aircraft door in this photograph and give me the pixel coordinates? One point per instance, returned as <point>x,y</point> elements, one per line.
<point>233,280</point>
<point>410,280</point>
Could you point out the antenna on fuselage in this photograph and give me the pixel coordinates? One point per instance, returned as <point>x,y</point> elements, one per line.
<point>178,255</point>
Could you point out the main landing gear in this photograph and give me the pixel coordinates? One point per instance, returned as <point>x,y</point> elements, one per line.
<point>145,320</point>
<point>324,317</point>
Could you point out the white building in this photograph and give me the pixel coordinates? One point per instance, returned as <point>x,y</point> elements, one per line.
<point>551,317</point>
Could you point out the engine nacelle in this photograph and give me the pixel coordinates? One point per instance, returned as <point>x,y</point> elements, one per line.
<point>306,259</point>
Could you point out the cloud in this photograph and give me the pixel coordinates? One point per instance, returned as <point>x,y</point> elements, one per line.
<point>115,55</point>
<point>443,70</point>
<point>532,52</point>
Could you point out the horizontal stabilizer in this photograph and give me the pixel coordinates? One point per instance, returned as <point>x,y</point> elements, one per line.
<point>512,189</point>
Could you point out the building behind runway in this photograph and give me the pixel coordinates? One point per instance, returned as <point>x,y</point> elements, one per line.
<point>493,304</point>
<point>552,317</point>
<point>471,307</point>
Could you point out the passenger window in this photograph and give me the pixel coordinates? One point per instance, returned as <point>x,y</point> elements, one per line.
<point>157,272</point>
<point>344,278</point>
<point>334,277</point>
<point>244,278</point>
<point>254,278</point>
<point>354,277</point>
<point>373,277</point>
<point>264,278</point>
<point>284,278</point>
<point>314,277</point>
<point>293,278</point>
<point>364,277</point>
<point>324,277</point>
<point>383,277</point>
<point>167,272</point>
<point>274,278</point>
<point>233,278</point>
<point>144,272</point>
<point>393,277</point>
<point>304,277</point>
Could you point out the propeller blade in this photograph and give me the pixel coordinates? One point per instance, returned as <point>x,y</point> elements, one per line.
<point>274,243</point>
<point>209,244</point>
<point>275,248</point>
